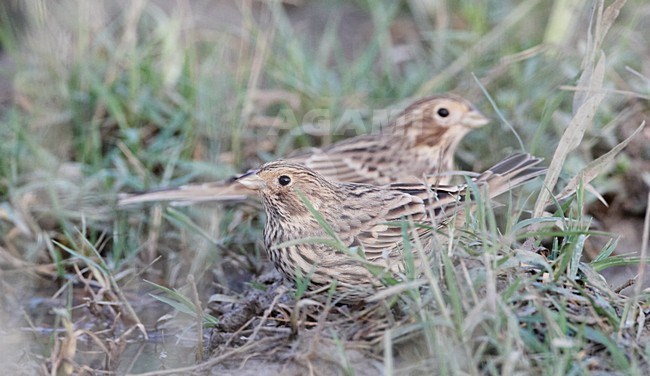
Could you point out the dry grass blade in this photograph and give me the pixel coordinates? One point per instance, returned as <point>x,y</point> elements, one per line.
<point>572,136</point>
<point>569,142</point>
<point>396,290</point>
<point>590,82</point>
<point>64,360</point>
<point>199,317</point>
<point>609,16</point>
<point>585,102</point>
<point>595,167</point>
<point>644,252</point>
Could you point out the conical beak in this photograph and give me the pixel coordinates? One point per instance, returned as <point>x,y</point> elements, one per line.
<point>474,119</point>
<point>251,180</point>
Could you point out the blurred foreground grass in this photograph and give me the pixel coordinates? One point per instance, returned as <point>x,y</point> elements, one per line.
<point>125,96</point>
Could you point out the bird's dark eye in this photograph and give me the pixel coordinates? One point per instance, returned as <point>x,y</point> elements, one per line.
<point>284,180</point>
<point>443,112</point>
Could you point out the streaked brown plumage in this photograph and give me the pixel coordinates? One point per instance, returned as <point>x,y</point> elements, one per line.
<point>361,216</point>
<point>420,141</point>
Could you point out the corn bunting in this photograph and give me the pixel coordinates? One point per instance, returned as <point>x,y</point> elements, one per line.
<point>422,140</point>
<point>312,222</point>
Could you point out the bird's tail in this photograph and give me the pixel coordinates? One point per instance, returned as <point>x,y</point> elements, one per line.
<point>192,193</point>
<point>511,172</point>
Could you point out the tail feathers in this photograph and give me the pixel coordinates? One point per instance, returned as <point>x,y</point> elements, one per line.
<point>511,172</point>
<point>216,191</point>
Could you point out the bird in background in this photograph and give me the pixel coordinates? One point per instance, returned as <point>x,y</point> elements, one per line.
<point>309,214</point>
<point>421,141</point>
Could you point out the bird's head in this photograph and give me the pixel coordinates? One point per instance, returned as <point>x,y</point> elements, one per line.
<point>432,119</point>
<point>280,184</point>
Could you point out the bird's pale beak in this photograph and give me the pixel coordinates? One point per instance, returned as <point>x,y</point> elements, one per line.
<point>251,180</point>
<point>474,119</point>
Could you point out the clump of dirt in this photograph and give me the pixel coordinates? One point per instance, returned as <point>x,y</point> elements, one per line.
<point>268,327</point>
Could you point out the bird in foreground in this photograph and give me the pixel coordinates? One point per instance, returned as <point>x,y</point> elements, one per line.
<point>422,140</point>
<point>366,219</point>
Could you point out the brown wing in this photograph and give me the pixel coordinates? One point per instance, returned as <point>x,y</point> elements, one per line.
<point>353,160</point>
<point>433,206</point>
<point>379,231</point>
